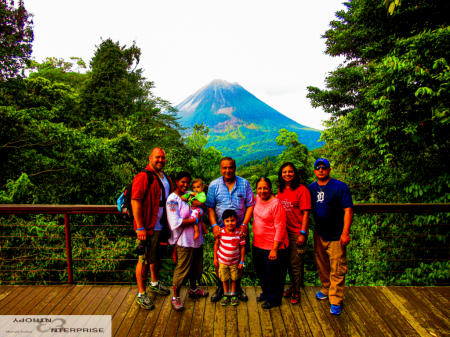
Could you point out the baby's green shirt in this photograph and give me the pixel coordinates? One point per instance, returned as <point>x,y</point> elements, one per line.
<point>200,197</point>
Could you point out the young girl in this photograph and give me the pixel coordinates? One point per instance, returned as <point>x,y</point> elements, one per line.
<point>199,194</point>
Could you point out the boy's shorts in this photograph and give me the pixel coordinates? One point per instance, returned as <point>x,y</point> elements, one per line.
<point>226,272</point>
<point>152,247</point>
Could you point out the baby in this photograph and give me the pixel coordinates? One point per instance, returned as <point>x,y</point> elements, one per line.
<point>200,195</point>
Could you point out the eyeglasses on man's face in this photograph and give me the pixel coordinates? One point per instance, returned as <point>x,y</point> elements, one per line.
<point>318,167</point>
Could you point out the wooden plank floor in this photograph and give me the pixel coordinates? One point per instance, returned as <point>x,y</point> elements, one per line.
<point>367,311</point>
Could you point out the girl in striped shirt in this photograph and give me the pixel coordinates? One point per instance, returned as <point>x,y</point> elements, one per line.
<point>229,254</point>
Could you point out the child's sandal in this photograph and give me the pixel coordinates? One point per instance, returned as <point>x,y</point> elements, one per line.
<point>288,292</point>
<point>295,299</point>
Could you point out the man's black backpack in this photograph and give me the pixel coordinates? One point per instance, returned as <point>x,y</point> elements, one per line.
<point>124,201</point>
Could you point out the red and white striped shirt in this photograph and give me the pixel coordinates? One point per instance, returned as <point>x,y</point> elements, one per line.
<point>229,248</point>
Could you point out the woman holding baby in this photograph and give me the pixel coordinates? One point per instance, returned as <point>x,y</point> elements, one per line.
<point>189,246</point>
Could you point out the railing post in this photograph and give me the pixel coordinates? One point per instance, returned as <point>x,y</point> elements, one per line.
<point>68,248</point>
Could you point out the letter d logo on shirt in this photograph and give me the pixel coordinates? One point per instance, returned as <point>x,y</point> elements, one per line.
<point>320,196</point>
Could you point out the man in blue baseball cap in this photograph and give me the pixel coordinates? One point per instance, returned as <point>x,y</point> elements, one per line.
<point>331,206</point>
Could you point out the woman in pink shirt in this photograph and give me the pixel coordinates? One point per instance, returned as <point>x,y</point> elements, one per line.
<point>270,240</point>
<point>296,201</point>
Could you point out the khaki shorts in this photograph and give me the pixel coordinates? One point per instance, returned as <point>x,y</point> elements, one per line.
<point>151,249</point>
<point>226,272</point>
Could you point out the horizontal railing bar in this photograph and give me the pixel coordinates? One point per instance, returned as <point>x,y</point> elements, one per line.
<point>59,225</point>
<point>62,237</point>
<point>401,208</point>
<point>434,236</point>
<point>112,209</point>
<point>59,209</point>
<point>133,271</point>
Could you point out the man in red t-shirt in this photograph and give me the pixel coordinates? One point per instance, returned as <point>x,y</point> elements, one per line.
<point>148,210</point>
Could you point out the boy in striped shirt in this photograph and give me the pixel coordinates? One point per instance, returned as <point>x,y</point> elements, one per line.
<point>229,254</point>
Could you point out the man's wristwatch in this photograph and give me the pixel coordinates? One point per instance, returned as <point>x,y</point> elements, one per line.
<point>303,233</point>
<point>243,265</point>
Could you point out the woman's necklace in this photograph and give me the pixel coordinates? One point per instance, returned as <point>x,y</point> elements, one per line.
<point>321,194</point>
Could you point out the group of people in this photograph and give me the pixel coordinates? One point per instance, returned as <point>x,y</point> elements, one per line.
<point>280,231</point>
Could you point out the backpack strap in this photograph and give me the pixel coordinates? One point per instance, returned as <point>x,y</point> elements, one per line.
<point>162,202</point>
<point>150,178</point>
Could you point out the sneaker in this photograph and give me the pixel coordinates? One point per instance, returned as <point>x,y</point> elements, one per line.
<point>225,300</point>
<point>335,310</point>
<point>234,300</point>
<point>159,288</point>
<point>288,292</point>
<point>145,302</point>
<point>198,293</point>
<point>177,305</point>
<point>321,296</point>
<point>295,299</point>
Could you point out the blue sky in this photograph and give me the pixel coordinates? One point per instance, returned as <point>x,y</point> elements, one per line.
<point>272,48</point>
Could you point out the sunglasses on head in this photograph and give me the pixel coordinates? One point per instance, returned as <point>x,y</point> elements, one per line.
<point>318,167</point>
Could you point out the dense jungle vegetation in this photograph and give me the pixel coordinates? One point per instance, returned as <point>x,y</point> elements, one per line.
<point>72,133</point>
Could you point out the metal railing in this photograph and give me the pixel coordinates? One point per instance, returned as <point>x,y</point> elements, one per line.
<point>389,242</point>
<point>53,233</point>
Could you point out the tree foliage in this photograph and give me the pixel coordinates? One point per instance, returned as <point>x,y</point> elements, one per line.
<point>16,37</point>
<point>389,101</point>
<point>205,160</point>
<point>389,106</point>
<point>60,71</point>
<point>115,88</point>
<point>72,157</point>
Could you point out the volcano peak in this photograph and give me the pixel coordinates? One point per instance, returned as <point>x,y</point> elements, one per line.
<point>237,119</point>
<point>221,82</point>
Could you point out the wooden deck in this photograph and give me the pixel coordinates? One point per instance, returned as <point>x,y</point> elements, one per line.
<point>367,311</point>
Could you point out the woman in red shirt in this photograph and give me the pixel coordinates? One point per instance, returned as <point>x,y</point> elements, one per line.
<point>296,201</point>
<point>269,242</point>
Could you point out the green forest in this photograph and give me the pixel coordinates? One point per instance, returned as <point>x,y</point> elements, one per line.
<point>73,132</point>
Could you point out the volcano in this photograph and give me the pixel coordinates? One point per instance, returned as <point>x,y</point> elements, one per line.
<point>241,125</point>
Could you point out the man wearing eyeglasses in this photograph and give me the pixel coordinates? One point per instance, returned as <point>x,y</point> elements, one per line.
<point>332,204</point>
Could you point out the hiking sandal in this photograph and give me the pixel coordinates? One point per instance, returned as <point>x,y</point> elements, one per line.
<point>295,299</point>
